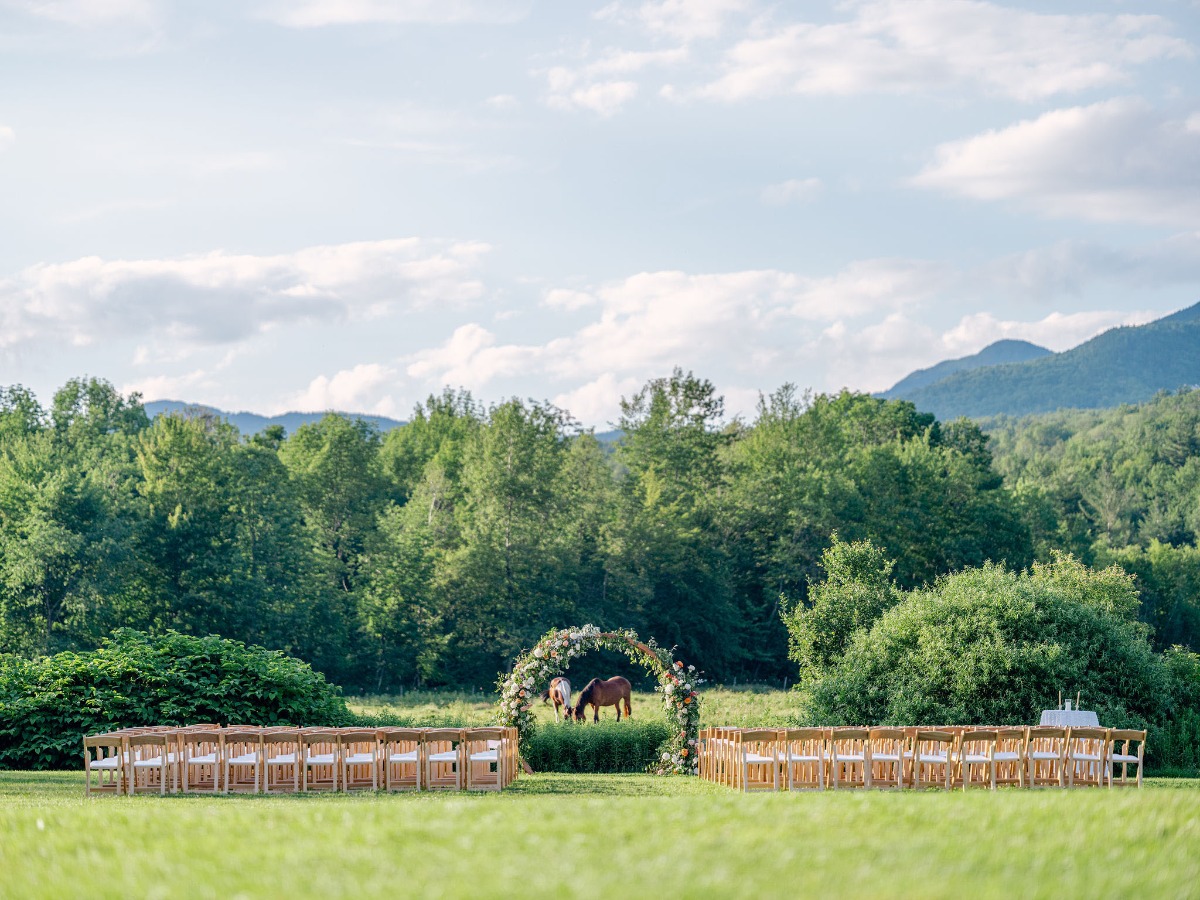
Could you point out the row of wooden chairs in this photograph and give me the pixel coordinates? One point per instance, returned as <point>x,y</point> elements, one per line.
<point>212,759</point>
<point>943,757</point>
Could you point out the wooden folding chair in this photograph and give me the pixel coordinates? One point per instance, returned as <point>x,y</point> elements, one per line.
<point>105,756</point>
<point>281,760</point>
<point>241,760</point>
<point>443,749</point>
<point>401,755</point>
<point>1086,756</point>
<point>1010,756</point>
<point>805,752</point>
<point>200,760</point>
<point>758,756</point>
<point>1045,756</point>
<point>976,749</point>
<point>320,751</point>
<point>150,762</point>
<point>849,758</point>
<point>360,760</point>
<point>932,748</point>
<point>486,759</point>
<point>1123,757</point>
<point>889,756</point>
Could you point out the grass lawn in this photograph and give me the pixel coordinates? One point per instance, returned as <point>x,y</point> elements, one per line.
<point>742,706</point>
<point>600,836</point>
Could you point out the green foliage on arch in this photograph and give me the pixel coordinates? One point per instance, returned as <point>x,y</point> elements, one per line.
<point>533,671</point>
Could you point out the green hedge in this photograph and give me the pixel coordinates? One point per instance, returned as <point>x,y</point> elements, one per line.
<point>48,705</point>
<point>628,746</point>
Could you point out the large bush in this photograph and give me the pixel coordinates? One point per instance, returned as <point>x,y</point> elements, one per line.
<point>992,646</point>
<point>48,705</point>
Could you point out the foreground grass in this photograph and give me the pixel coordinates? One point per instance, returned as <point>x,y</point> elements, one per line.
<point>742,706</point>
<point>600,836</point>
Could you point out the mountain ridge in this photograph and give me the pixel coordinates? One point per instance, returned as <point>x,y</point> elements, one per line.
<point>250,423</point>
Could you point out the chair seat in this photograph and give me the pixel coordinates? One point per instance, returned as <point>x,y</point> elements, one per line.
<point>800,757</point>
<point>1042,754</point>
<point>360,759</point>
<point>155,763</point>
<point>486,756</point>
<point>885,757</point>
<point>976,758</point>
<point>246,759</point>
<point>320,759</point>
<point>758,759</point>
<point>448,756</point>
<point>1084,757</point>
<point>1006,756</point>
<point>849,757</point>
<point>108,763</point>
<point>410,757</point>
<point>283,759</point>
<point>208,759</point>
<point>933,758</point>
<point>1116,757</point>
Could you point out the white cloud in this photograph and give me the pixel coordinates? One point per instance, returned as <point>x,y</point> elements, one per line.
<point>350,390</point>
<point>597,402</point>
<point>470,358</point>
<point>604,85</point>
<point>169,387</point>
<point>565,299</point>
<point>319,13</point>
<point>794,190</point>
<point>223,298</point>
<point>1119,160</point>
<point>685,20</point>
<point>503,103</point>
<point>7,137</point>
<point>902,46</point>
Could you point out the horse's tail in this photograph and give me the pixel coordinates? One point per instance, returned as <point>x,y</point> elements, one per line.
<point>546,696</point>
<point>628,711</point>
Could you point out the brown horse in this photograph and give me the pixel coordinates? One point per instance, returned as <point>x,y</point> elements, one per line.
<point>560,692</point>
<point>604,693</point>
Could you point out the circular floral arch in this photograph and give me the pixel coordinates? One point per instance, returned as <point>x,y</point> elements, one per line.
<point>533,671</point>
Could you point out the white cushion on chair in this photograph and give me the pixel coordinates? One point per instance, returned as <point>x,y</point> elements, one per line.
<point>448,756</point>
<point>410,757</point>
<point>886,757</point>
<point>155,763</point>
<point>976,758</point>
<point>800,757</point>
<point>1084,757</point>
<point>851,757</point>
<point>933,757</point>
<point>1006,756</point>
<point>360,759</point>
<point>1116,757</point>
<point>209,759</point>
<point>485,756</point>
<point>283,759</point>
<point>759,759</point>
<point>246,759</point>
<point>1042,754</point>
<point>109,762</point>
<point>320,759</point>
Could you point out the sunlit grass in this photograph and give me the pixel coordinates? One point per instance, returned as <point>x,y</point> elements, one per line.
<point>743,706</point>
<point>600,836</point>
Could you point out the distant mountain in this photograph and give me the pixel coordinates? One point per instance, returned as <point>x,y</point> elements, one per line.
<point>252,423</point>
<point>1123,365</point>
<point>995,354</point>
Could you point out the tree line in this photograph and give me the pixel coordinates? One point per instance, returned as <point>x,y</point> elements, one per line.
<point>434,553</point>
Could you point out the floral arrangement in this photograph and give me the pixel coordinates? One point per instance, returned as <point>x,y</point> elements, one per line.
<point>533,672</point>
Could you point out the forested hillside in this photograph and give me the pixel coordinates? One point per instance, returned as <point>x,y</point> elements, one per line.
<point>434,553</point>
<point>1123,365</point>
<point>995,354</point>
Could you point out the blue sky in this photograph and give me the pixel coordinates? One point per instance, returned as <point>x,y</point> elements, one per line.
<point>311,204</point>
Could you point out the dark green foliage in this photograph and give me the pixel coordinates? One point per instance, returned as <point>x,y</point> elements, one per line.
<point>626,746</point>
<point>1124,365</point>
<point>48,705</point>
<point>995,354</point>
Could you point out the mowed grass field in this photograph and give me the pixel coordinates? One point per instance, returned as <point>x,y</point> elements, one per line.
<point>740,706</point>
<point>600,836</point>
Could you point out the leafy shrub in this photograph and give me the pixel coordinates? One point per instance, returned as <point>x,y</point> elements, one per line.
<point>47,705</point>
<point>627,746</point>
<point>992,646</point>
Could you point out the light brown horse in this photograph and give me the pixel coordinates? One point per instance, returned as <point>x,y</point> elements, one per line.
<point>604,693</point>
<point>560,692</point>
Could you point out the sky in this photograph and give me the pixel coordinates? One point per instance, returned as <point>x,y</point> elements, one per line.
<point>276,205</point>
